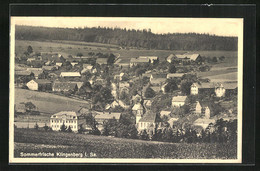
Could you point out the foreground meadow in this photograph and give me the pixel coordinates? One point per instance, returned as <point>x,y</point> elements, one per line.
<point>35,141</point>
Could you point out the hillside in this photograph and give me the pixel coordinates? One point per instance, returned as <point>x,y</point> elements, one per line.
<point>46,102</point>
<point>129,38</point>
<point>30,140</point>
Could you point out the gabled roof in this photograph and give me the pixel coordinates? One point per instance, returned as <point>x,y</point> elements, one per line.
<point>64,85</point>
<point>65,113</point>
<point>179,98</point>
<point>48,68</point>
<point>23,73</point>
<point>158,81</point>
<point>139,60</point>
<point>230,86</point>
<point>149,117</point>
<point>107,115</point>
<point>70,74</point>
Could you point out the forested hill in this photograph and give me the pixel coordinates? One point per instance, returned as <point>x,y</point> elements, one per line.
<point>130,38</point>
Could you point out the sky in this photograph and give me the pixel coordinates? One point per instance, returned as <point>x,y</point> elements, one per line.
<point>217,26</point>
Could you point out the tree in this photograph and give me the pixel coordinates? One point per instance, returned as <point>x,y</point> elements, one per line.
<point>185,87</point>
<point>46,128</point>
<point>139,71</point>
<point>29,49</point>
<point>36,126</point>
<point>111,59</point>
<point>171,86</point>
<point>79,54</point>
<point>172,69</point>
<point>69,129</point>
<point>149,93</point>
<point>143,135</point>
<point>63,128</point>
<point>29,107</point>
<point>214,59</point>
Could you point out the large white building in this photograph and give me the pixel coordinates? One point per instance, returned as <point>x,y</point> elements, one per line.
<point>68,118</point>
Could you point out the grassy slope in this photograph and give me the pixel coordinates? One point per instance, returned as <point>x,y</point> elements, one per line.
<point>106,147</point>
<point>46,102</point>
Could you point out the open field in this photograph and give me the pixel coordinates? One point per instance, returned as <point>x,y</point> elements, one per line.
<point>74,47</point>
<point>46,102</point>
<point>30,140</point>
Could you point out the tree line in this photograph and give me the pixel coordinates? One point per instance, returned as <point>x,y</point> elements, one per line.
<point>130,38</point>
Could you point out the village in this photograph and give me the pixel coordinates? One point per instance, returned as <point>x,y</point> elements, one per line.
<point>144,95</point>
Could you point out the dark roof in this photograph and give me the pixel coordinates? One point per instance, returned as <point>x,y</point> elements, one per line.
<point>149,117</point>
<point>64,85</point>
<point>42,81</point>
<point>156,81</point>
<point>23,73</point>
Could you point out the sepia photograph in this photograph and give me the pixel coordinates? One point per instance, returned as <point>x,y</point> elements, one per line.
<point>125,90</point>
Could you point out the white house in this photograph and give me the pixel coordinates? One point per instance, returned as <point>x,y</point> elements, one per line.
<point>178,101</point>
<point>68,118</point>
<point>147,122</point>
<point>39,84</point>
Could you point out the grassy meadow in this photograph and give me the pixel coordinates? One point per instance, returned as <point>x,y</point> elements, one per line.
<point>48,103</point>
<point>30,140</point>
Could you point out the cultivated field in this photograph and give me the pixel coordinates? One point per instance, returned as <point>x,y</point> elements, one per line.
<point>30,140</point>
<point>48,103</point>
<point>73,47</point>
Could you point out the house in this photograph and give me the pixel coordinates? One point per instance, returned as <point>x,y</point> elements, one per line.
<point>202,109</point>
<point>101,61</point>
<point>178,101</point>
<point>174,75</point>
<point>68,118</point>
<point>70,74</point>
<point>23,73</point>
<point>171,57</point>
<point>39,85</point>
<point>64,86</point>
<point>158,76</point>
<point>188,57</point>
<point>218,88</point>
<point>151,58</point>
<point>102,117</point>
<point>136,61</point>
<point>147,122</point>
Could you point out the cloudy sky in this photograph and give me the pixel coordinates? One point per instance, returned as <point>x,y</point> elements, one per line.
<point>217,26</point>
